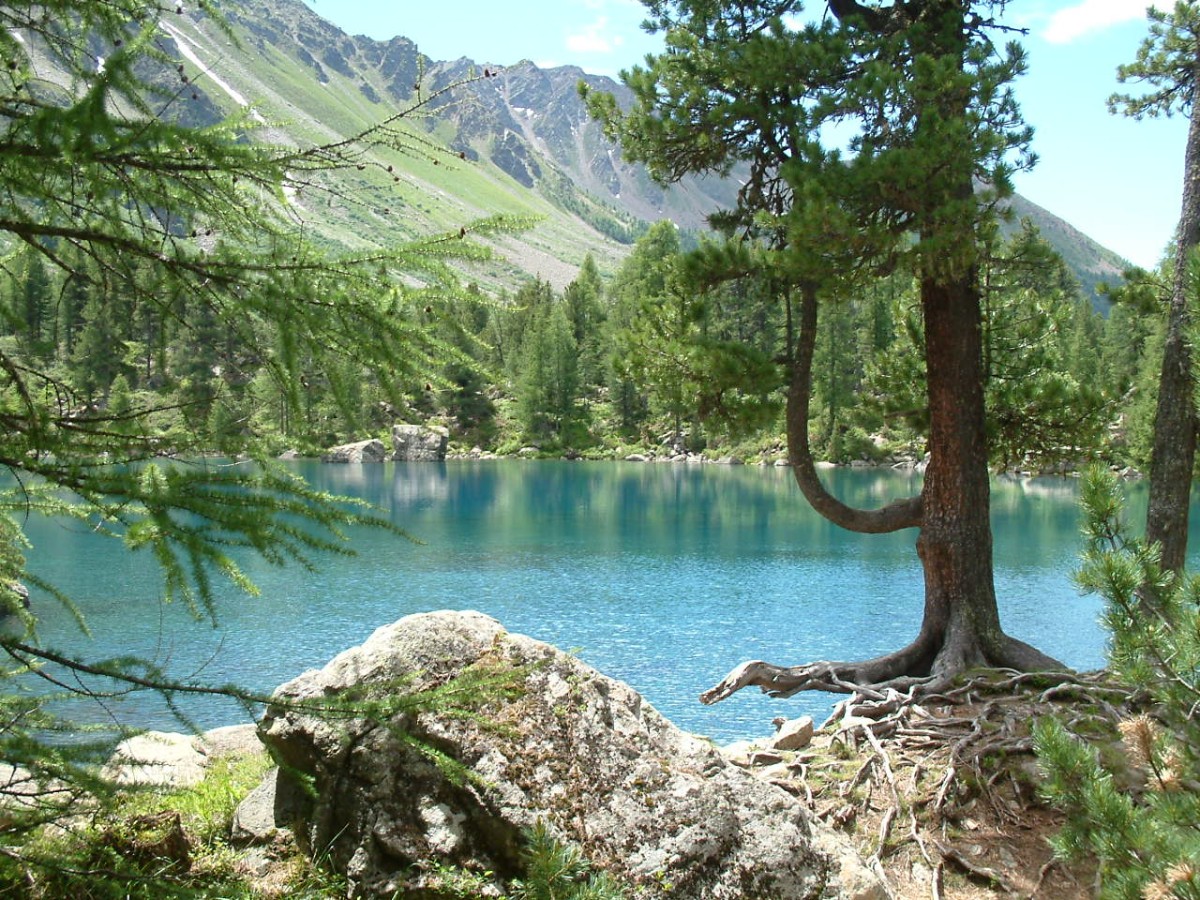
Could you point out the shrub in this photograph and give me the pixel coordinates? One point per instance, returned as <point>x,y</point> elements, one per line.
<point>1146,841</point>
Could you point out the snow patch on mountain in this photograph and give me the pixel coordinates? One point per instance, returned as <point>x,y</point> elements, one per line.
<point>189,52</point>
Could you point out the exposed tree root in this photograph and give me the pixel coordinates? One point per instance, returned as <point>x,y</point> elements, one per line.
<point>780,681</point>
<point>938,783</point>
<point>928,666</point>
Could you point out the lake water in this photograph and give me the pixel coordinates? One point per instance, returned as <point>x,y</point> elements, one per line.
<point>662,575</point>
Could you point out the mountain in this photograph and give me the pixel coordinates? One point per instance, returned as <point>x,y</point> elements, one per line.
<point>1090,262</point>
<point>520,142</point>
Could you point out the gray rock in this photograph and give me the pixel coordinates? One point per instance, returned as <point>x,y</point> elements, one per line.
<point>359,452</point>
<point>578,751</point>
<point>636,457</point>
<point>255,863</point>
<point>764,758</point>
<point>231,740</point>
<point>740,752</point>
<point>157,759</point>
<point>795,734</point>
<point>21,790</point>
<point>856,881</point>
<point>168,760</point>
<point>256,820</point>
<point>419,443</point>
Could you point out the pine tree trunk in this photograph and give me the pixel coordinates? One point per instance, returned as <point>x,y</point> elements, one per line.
<point>961,621</point>
<point>960,628</point>
<point>1175,423</point>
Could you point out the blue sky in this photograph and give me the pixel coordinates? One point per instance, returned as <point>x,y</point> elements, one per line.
<point>1116,179</point>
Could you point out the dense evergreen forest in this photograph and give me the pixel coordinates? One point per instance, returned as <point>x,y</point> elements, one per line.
<point>651,360</point>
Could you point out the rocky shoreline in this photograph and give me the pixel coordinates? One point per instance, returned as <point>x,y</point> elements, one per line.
<point>421,443</point>
<point>855,809</point>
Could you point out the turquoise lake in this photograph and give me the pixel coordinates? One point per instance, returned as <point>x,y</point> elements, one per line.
<point>662,575</point>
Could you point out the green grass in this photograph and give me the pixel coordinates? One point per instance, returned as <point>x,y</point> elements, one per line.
<point>128,848</point>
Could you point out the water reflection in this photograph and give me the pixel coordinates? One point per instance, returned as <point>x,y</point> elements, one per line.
<point>663,575</point>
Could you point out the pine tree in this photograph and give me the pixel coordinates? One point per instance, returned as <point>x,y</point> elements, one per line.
<point>583,298</point>
<point>1146,840</point>
<point>838,360</point>
<point>1169,60</point>
<point>547,390</point>
<point>94,362</point>
<point>935,135</point>
<point>1039,413</point>
<point>638,280</point>
<point>463,324</point>
<point>36,326</point>
<point>133,203</point>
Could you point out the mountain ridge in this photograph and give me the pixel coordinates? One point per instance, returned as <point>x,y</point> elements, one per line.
<point>525,144</point>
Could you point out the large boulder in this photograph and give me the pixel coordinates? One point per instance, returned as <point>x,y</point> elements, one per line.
<point>580,752</point>
<point>419,443</point>
<point>358,452</point>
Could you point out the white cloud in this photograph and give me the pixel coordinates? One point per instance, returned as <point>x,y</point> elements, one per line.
<point>1089,16</point>
<point>594,39</point>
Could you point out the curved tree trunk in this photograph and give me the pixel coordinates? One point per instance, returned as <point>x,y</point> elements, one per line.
<point>960,628</point>
<point>898,515</point>
<point>1175,421</point>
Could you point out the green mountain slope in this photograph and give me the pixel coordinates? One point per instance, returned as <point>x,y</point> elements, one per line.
<point>515,140</point>
<point>1091,263</point>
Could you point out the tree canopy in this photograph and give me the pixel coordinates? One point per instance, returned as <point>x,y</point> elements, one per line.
<point>128,191</point>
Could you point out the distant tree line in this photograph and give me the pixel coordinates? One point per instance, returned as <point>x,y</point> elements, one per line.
<point>651,359</point>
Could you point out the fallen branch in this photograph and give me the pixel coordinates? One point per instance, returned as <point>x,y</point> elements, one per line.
<point>974,869</point>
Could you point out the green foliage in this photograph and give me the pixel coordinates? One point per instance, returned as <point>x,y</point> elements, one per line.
<point>190,295</point>
<point>1046,403</point>
<point>584,300</point>
<point>920,106</point>
<point>1166,61</point>
<point>548,388</point>
<point>139,841</point>
<point>148,844</point>
<point>558,871</point>
<point>1146,839</point>
<point>679,354</point>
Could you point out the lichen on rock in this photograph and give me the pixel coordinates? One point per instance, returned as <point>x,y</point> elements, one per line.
<point>584,754</point>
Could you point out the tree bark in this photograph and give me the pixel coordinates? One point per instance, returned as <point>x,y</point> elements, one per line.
<point>1173,456</point>
<point>899,515</point>
<point>960,628</point>
<point>961,618</point>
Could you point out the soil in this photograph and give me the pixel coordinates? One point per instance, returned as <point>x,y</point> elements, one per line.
<point>941,796</point>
